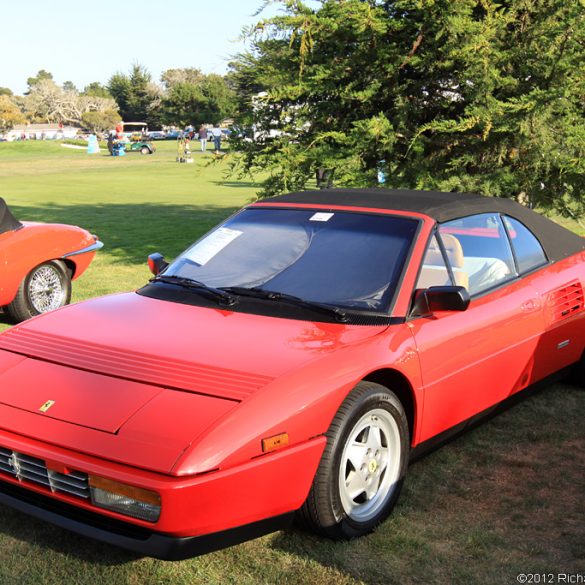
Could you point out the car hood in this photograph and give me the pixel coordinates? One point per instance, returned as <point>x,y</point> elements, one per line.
<point>137,380</point>
<point>214,352</point>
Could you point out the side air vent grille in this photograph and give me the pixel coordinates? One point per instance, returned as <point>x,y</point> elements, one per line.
<point>566,301</point>
<point>30,469</point>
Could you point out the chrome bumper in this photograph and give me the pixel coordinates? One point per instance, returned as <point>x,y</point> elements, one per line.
<point>93,248</point>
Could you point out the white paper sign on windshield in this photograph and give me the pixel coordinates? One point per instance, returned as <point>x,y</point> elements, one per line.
<point>213,244</point>
<point>321,216</point>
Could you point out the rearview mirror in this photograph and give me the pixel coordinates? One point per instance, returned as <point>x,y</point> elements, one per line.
<point>157,263</point>
<point>440,298</point>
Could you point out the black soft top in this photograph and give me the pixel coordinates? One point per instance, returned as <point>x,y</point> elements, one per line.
<point>7,221</point>
<point>557,241</point>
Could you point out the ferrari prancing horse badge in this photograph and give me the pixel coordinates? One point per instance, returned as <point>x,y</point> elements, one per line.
<point>47,405</point>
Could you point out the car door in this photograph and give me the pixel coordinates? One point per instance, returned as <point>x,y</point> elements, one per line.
<point>473,359</point>
<point>560,286</point>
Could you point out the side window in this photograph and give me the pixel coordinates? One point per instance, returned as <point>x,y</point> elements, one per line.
<point>528,251</point>
<point>434,271</point>
<point>486,258</point>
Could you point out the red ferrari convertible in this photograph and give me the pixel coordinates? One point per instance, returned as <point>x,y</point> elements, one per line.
<point>38,261</point>
<point>289,363</point>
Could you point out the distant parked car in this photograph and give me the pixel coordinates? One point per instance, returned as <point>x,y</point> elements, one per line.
<point>157,135</point>
<point>173,134</point>
<point>38,261</point>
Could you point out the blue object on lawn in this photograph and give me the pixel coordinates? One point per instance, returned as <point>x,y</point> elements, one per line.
<point>93,146</point>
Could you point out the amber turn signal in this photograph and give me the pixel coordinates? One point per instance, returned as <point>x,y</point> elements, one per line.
<point>275,442</point>
<point>123,489</point>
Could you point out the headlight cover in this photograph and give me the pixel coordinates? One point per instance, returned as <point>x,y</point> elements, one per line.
<point>124,499</point>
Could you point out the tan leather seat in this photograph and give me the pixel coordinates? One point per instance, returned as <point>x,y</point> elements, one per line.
<point>434,272</point>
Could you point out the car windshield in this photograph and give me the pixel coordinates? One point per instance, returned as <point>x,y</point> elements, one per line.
<point>351,260</point>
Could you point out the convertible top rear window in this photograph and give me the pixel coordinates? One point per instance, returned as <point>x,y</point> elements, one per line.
<point>350,260</point>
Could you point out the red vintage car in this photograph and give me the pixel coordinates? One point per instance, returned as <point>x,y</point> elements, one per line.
<point>38,261</point>
<point>289,363</point>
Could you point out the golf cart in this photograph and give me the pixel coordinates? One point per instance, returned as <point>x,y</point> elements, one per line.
<point>136,138</point>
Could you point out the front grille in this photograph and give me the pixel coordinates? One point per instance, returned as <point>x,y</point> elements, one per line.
<point>30,469</point>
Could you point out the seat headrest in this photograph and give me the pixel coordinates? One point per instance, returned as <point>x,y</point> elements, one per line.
<point>454,250</point>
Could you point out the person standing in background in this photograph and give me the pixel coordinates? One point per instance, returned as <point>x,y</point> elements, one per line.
<point>203,137</point>
<point>216,133</point>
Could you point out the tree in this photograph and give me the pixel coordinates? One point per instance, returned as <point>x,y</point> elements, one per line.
<point>10,114</point>
<point>69,86</point>
<point>137,97</point>
<point>96,89</point>
<point>473,95</point>
<point>120,89</point>
<point>47,102</point>
<point>5,91</point>
<point>195,98</point>
<point>41,75</point>
<point>183,105</point>
<point>100,121</point>
<point>172,77</point>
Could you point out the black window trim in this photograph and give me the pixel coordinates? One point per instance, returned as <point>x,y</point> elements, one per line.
<point>546,262</point>
<point>433,233</point>
<point>514,277</point>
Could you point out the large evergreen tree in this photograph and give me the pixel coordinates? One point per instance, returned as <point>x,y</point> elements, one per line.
<point>193,97</point>
<point>135,95</point>
<point>473,95</point>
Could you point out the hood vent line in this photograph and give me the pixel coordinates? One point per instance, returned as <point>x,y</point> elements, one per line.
<point>129,365</point>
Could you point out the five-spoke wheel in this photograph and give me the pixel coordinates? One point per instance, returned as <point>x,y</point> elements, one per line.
<point>363,465</point>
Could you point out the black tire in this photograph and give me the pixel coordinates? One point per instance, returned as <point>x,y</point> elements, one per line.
<point>329,509</point>
<point>31,301</point>
<point>145,150</point>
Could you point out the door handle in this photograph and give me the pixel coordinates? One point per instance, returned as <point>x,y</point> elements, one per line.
<point>530,305</point>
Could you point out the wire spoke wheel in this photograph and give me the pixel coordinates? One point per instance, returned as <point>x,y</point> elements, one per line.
<point>46,289</point>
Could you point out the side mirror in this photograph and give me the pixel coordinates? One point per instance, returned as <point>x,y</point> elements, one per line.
<point>440,298</point>
<point>157,263</point>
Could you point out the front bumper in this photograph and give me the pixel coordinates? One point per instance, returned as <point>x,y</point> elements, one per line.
<point>199,513</point>
<point>128,536</point>
<point>98,245</point>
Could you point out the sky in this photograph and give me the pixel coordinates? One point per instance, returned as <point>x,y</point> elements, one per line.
<point>84,41</point>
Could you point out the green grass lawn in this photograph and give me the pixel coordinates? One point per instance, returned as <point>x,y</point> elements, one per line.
<point>137,204</point>
<point>504,499</point>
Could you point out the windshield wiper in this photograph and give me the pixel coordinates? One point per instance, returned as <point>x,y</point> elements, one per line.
<point>223,296</point>
<point>261,293</point>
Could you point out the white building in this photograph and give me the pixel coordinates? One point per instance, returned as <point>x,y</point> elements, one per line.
<point>40,132</point>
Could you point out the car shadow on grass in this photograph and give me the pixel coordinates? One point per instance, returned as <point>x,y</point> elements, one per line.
<point>45,536</point>
<point>237,184</point>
